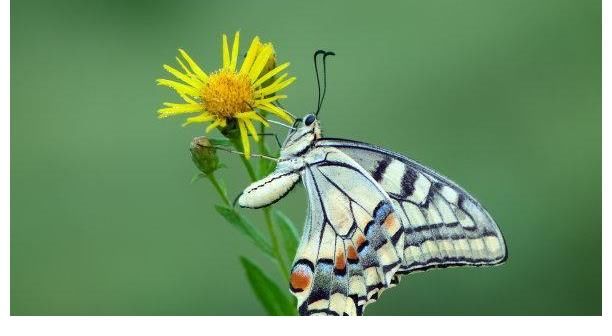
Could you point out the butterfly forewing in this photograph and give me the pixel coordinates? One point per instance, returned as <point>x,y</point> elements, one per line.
<point>443,225</point>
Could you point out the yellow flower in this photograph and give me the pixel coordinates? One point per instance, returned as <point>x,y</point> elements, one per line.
<point>230,94</point>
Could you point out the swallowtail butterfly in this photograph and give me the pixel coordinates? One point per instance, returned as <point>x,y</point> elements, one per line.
<point>373,215</point>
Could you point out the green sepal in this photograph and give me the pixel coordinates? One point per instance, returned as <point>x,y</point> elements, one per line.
<point>220,142</point>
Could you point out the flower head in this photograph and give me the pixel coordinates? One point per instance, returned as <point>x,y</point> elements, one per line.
<point>231,95</point>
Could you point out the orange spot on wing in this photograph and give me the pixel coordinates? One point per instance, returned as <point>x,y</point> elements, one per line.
<point>360,241</point>
<point>390,221</point>
<point>340,261</point>
<point>300,280</point>
<point>351,253</point>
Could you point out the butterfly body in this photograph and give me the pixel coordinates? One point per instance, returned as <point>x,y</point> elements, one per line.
<point>373,215</point>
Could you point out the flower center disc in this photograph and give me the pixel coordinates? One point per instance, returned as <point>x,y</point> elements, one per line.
<point>227,93</point>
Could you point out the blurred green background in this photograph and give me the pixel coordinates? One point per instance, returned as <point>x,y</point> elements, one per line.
<point>502,96</point>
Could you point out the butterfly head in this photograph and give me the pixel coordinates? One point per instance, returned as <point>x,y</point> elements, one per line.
<point>304,133</point>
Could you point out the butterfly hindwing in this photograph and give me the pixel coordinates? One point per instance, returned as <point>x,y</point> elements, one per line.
<point>443,225</point>
<point>353,240</point>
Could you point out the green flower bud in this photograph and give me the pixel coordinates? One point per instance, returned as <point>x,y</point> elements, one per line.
<point>204,155</point>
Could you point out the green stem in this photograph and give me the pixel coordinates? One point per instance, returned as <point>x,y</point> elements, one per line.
<point>262,150</point>
<point>275,244</point>
<point>249,167</point>
<point>247,164</point>
<point>218,187</point>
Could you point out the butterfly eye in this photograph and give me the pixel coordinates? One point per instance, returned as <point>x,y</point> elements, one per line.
<point>309,119</point>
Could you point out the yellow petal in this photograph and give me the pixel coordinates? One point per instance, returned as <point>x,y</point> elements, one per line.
<point>172,109</point>
<point>252,130</point>
<point>274,87</point>
<point>234,56</point>
<point>204,117</point>
<point>276,111</point>
<point>260,62</point>
<point>252,115</point>
<point>194,66</point>
<point>270,74</point>
<point>250,57</point>
<point>179,87</point>
<point>246,147</point>
<point>278,80</point>
<point>262,101</point>
<point>189,100</point>
<point>185,78</point>
<point>214,125</point>
<point>226,55</point>
<point>187,71</point>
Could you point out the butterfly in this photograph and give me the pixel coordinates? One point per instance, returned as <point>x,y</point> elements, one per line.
<point>373,215</point>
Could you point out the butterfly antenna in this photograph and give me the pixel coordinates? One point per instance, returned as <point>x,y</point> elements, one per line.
<point>315,56</point>
<point>277,103</point>
<point>282,124</point>
<point>278,122</point>
<point>328,53</point>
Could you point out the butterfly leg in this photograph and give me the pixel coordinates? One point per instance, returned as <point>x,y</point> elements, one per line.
<point>229,150</point>
<point>271,134</point>
<point>278,103</point>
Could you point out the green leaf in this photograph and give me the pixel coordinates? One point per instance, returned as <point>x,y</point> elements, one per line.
<point>289,233</point>
<point>275,301</point>
<point>244,226</point>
